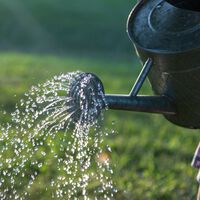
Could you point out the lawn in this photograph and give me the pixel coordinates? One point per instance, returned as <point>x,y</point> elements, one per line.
<point>150,156</point>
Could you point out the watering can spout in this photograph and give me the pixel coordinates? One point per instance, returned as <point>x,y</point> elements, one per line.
<point>149,104</point>
<point>133,102</point>
<point>92,88</point>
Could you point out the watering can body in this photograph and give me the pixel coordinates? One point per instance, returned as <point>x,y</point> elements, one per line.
<point>170,36</point>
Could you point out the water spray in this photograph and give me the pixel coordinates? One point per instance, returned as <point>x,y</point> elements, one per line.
<point>165,35</point>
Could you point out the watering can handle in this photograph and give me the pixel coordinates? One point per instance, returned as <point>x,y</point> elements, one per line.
<point>141,78</point>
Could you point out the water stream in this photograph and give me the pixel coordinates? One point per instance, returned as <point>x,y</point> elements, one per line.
<point>55,134</point>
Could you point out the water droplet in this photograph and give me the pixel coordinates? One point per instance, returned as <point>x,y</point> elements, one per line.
<point>51,124</point>
<point>40,165</point>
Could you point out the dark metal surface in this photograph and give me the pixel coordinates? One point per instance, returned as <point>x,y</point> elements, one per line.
<point>175,51</point>
<point>158,26</point>
<point>150,104</point>
<point>186,4</point>
<point>141,78</point>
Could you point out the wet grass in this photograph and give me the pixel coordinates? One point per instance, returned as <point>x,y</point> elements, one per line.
<point>150,157</point>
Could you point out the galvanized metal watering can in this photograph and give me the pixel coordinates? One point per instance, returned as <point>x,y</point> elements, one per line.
<point>170,37</point>
<point>167,41</point>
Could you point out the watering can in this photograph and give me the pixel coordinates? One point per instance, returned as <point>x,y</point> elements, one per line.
<point>166,37</point>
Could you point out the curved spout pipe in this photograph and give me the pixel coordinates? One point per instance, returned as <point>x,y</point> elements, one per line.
<point>149,104</point>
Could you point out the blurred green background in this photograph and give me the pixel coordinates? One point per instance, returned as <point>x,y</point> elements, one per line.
<point>41,38</point>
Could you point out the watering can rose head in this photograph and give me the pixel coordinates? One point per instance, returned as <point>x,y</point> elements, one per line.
<point>87,98</point>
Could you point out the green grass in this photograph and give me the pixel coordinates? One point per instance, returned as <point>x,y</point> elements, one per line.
<point>150,157</point>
